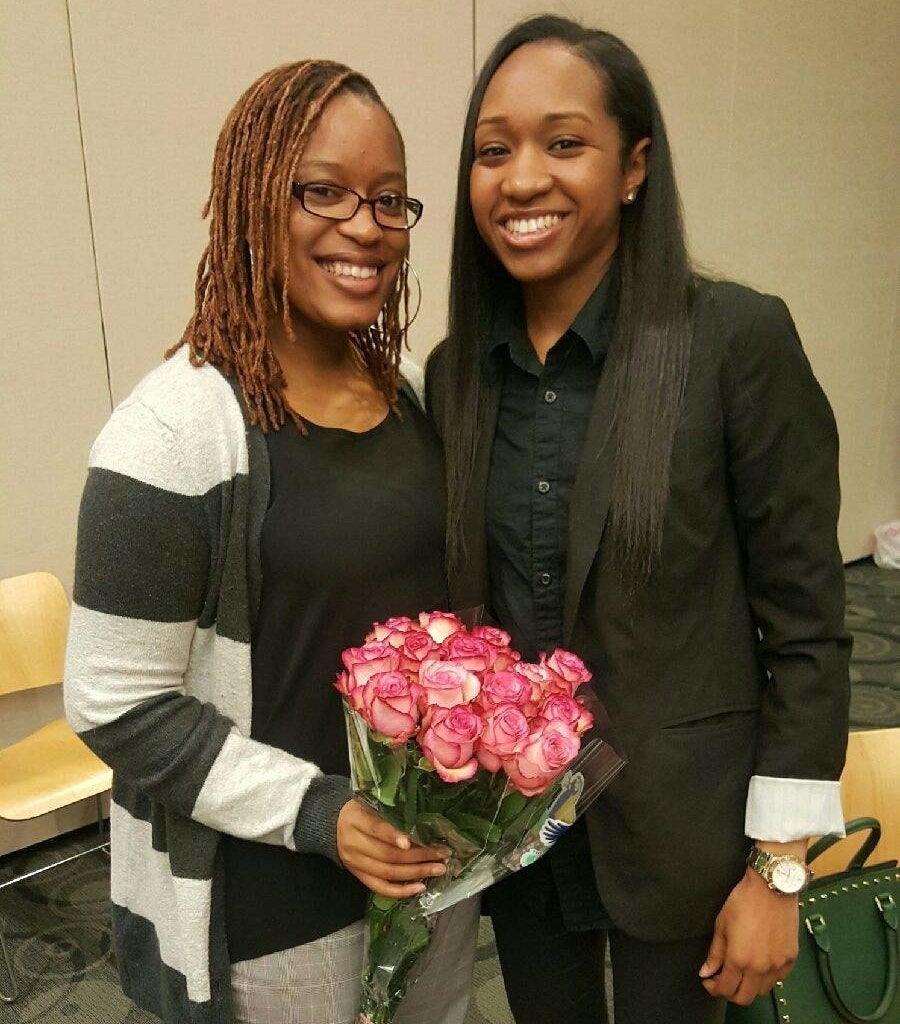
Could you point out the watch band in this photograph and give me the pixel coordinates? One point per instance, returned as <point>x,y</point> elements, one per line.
<point>760,861</point>
<point>764,863</point>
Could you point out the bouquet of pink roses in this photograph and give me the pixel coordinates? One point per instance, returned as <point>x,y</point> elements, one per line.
<point>455,740</point>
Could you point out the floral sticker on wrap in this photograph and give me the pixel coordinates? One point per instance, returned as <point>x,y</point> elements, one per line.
<point>560,818</point>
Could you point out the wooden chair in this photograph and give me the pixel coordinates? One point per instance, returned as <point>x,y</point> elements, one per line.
<point>870,787</point>
<point>51,768</point>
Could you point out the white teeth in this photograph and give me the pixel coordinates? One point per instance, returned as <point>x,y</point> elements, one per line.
<point>532,224</point>
<point>350,270</point>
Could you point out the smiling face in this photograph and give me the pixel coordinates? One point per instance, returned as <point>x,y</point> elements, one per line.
<point>548,182</point>
<point>341,273</point>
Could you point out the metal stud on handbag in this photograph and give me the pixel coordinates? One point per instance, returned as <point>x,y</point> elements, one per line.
<point>846,970</point>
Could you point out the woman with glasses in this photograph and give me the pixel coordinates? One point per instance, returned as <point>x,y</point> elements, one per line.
<point>642,468</point>
<point>259,501</point>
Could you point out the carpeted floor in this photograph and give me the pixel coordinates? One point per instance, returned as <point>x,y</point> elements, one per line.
<point>57,926</point>
<point>873,616</point>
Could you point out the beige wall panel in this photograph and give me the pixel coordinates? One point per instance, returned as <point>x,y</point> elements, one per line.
<point>811,211</point>
<point>53,390</point>
<point>157,81</point>
<point>688,51</point>
<point>887,489</point>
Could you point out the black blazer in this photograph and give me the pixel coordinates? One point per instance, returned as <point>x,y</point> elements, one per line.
<point>733,661</point>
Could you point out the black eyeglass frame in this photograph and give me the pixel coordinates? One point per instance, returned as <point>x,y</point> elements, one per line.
<point>415,206</point>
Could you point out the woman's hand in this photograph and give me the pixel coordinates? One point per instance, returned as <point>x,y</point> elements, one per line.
<point>383,859</point>
<point>754,944</point>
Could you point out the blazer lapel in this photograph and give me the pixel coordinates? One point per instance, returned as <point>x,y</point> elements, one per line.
<point>471,584</point>
<point>589,504</point>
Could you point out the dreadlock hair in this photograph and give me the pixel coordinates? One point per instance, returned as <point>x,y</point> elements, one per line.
<point>258,150</point>
<point>653,332</point>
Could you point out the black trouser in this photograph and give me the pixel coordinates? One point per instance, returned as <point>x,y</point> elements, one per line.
<point>553,976</point>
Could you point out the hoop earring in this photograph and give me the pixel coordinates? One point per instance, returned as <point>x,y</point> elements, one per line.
<point>410,269</point>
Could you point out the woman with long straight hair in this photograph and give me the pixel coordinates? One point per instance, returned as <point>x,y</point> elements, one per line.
<point>642,468</point>
<point>257,502</point>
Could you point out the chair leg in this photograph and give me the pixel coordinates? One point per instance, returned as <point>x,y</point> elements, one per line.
<point>103,834</point>
<point>7,965</point>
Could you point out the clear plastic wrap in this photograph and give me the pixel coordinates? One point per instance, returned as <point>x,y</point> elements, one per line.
<point>490,827</point>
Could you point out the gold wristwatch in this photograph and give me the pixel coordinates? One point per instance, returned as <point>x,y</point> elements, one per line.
<point>785,873</point>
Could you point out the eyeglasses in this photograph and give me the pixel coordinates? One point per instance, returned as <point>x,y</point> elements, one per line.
<point>390,209</point>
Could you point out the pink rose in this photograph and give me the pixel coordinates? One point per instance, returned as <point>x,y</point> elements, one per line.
<point>495,637</point>
<point>507,688</point>
<point>506,731</point>
<point>417,646</point>
<point>346,687</point>
<point>447,738</point>
<point>562,707</point>
<point>550,748</point>
<point>570,669</point>
<point>390,704</point>
<point>440,625</point>
<point>504,656</point>
<point>364,662</point>
<point>468,651</point>
<point>542,680</point>
<point>446,684</point>
<point>393,630</point>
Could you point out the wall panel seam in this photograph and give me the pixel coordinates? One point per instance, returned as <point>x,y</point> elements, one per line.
<point>474,39</point>
<point>90,211</point>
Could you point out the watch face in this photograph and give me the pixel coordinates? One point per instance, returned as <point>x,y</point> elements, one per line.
<point>788,876</point>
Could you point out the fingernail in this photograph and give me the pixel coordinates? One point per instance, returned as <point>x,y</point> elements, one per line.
<point>403,842</point>
<point>439,869</point>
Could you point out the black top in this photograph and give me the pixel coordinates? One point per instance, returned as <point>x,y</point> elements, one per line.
<point>541,424</point>
<point>353,535</point>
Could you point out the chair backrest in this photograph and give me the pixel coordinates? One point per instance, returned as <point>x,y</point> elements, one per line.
<point>870,787</point>
<point>34,625</point>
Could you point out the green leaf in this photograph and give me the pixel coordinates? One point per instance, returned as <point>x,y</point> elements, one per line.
<point>513,803</point>
<point>384,903</point>
<point>381,739</point>
<point>433,827</point>
<point>480,828</point>
<point>390,771</point>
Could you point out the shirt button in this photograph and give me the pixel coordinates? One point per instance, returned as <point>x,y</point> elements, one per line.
<point>543,487</point>
<point>545,578</point>
<point>549,397</point>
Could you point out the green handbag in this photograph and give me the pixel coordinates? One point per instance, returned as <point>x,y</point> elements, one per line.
<point>846,970</point>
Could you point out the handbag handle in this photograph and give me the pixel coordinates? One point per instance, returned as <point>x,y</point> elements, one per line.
<point>862,855</point>
<point>818,929</point>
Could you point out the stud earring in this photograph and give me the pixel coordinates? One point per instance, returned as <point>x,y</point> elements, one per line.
<point>632,195</point>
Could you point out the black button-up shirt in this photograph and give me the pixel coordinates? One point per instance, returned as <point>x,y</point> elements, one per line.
<point>541,423</point>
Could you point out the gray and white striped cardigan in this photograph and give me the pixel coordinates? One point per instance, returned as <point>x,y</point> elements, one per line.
<point>158,679</point>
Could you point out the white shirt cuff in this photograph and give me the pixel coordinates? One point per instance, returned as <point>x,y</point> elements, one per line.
<point>781,810</point>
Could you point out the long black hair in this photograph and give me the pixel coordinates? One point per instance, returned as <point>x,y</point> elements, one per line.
<point>651,343</point>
